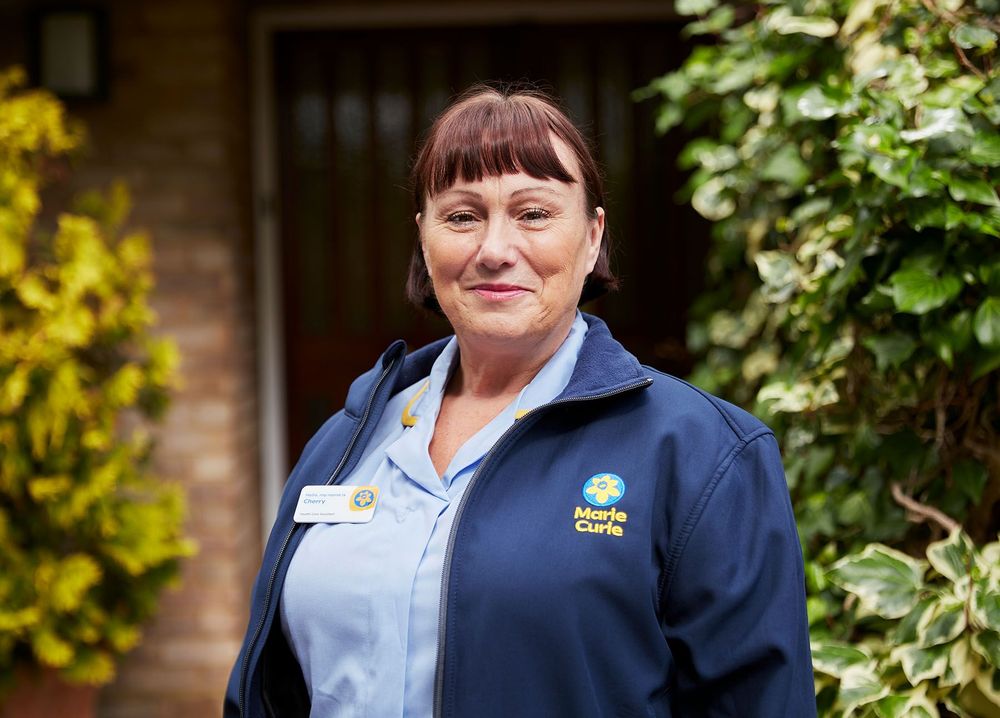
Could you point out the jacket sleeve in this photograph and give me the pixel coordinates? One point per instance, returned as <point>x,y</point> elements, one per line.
<point>734,603</point>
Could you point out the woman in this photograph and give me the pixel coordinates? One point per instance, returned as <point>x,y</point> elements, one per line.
<point>522,520</point>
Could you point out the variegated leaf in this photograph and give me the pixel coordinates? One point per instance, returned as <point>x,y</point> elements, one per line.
<point>962,665</point>
<point>924,710</point>
<point>834,658</point>
<point>860,685</point>
<point>962,589</point>
<point>920,706</point>
<point>952,557</point>
<point>986,604</point>
<point>921,664</point>
<point>943,623</point>
<point>893,706</point>
<point>989,684</point>
<point>990,558</point>
<point>887,582</point>
<point>987,645</point>
<point>906,629</point>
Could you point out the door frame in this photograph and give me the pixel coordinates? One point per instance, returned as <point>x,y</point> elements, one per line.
<point>264,23</point>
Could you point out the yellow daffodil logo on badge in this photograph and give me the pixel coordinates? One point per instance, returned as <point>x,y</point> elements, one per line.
<point>363,497</point>
<point>603,489</point>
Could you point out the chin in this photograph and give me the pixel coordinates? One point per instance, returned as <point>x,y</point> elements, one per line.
<point>522,322</point>
<point>499,327</point>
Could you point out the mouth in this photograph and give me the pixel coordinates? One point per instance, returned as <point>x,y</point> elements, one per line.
<point>499,292</point>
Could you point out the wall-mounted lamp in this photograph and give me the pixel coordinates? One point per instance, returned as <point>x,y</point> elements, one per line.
<point>69,53</point>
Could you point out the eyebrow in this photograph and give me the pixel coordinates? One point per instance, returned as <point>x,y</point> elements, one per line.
<point>515,193</point>
<point>525,190</point>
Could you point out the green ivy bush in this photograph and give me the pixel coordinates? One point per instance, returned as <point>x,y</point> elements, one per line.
<point>930,641</point>
<point>88,537</point>
<point>849,156</point>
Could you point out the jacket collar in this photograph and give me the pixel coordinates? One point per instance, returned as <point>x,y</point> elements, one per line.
<point>603,366</point>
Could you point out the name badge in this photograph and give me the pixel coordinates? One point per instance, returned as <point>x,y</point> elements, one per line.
<point>336,504</point>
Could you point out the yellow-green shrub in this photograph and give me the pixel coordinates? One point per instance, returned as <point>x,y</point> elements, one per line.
<point>88,537</point>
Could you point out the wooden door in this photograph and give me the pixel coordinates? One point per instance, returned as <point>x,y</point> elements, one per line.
<point>351,106</point>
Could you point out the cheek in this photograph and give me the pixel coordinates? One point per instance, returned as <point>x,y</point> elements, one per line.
<point>562,278</point>
<point>439,256</point>
<point>570,262</point>
<point>446,262</point>
<point>566,269</point>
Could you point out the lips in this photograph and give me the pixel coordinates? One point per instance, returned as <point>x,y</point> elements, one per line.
<point>499,292</point>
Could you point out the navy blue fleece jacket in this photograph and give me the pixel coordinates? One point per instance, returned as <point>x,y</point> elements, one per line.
<point>684,597</point>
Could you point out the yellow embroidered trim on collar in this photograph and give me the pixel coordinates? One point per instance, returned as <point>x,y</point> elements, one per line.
<point>407,418</point>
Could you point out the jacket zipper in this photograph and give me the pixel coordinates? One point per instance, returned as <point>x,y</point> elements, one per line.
<point>291,531</point>
<point>445,575</point>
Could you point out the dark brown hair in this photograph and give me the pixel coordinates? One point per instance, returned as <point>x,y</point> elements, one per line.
<point>487,132</point>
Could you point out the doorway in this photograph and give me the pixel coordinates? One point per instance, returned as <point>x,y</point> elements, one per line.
<point>350,107</point>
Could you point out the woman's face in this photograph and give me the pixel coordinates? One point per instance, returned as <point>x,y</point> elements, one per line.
<point>508,255</point>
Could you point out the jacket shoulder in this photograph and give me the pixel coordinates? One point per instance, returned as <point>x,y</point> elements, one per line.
<point>696,407</point>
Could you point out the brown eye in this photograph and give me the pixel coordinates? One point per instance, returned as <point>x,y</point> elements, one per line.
<point>535,214</point>
<point>460,218</point>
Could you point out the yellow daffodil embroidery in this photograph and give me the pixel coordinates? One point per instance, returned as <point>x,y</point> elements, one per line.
<point>363,497</point>
<point>603,489</point>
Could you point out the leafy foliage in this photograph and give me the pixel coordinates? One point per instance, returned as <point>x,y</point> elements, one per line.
<point>849,155</point>
<point>922,642</point>
<point>87,537</point>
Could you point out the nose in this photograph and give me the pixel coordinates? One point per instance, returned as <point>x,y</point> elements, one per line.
<point>498,246</point>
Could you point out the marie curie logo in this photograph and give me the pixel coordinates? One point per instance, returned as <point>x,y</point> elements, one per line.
<point>363,498</point>
<point>603,489</point>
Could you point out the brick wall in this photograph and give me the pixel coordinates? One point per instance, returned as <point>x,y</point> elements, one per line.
<point>175,127</point>
<point>178,124</point>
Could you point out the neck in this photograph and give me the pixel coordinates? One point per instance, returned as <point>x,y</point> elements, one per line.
<point>490,370</point>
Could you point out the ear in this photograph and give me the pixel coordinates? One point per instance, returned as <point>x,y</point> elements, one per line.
<point>595,231</point>
<point>420,237</point>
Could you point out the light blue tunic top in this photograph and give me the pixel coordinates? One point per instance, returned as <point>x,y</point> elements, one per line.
<point>360,602</point>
